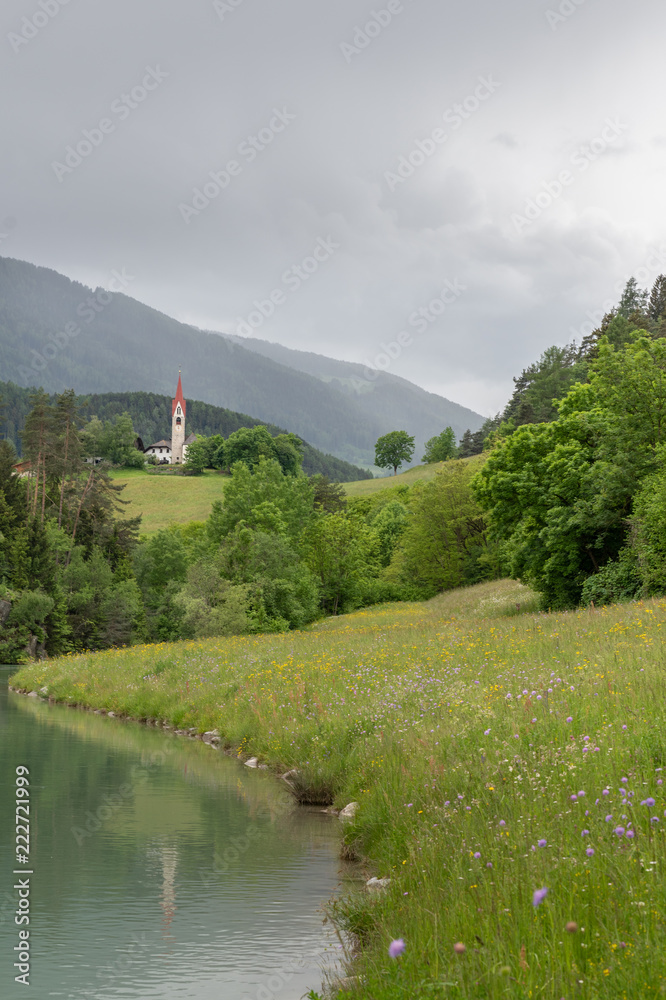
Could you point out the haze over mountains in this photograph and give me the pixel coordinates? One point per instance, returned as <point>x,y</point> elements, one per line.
<point>59,334</point>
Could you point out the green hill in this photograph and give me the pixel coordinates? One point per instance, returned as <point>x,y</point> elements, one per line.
<point>164,499</point>
<point>51,335</point>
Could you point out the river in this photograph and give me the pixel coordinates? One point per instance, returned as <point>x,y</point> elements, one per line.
<point>159,867</point>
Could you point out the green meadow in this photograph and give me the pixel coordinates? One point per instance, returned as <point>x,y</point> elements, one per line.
<point>163,500</point>
<point>507,766</point>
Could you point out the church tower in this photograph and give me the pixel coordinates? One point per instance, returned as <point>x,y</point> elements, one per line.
<point>177,425</point>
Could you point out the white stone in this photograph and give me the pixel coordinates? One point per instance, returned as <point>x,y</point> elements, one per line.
<point>377,884</point>
<point>349,811</point>
<point>252,762</point>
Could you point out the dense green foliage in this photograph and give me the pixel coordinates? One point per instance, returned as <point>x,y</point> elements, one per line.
<point>440,448</point>
<point>576,503</point>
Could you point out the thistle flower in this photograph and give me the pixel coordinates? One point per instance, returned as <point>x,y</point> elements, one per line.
<point>396,947</point>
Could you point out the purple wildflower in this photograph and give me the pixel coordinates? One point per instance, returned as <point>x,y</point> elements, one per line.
<point>584,833</point>
<point>570,719</point>
<point>609,818</point>
<point>542,843</point>
<point>396,947</point>
<point>619,830</point>
<point>589,852</point>
<point>539,896</point>
<point>630,834</point>
<point>477,854</point>
<point>502,823</point>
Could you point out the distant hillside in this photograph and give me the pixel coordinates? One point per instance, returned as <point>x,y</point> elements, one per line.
<point>151,416</point>
<point>387,399</point>
<point>51,335</point>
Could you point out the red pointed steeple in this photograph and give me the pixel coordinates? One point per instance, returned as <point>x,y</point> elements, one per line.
<point>179,398</point>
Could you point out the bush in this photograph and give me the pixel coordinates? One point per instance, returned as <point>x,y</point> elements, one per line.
<point>617,581</point>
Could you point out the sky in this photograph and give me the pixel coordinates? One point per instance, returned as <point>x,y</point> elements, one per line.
<point>440,190</point>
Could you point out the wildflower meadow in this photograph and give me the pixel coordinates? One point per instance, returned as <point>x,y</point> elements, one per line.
<point>507,766</point>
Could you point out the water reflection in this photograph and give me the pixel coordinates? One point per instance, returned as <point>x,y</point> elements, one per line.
<point>162,868</point>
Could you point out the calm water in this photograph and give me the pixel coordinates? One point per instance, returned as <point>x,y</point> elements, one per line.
<point>161,867</point>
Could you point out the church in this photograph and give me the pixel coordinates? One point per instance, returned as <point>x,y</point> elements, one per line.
<point>174,452</point>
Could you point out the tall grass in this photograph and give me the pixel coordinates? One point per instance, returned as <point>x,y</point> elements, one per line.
<point>493,751</point>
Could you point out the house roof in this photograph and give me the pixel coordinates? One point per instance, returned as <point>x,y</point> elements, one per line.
<point>179,398</point>
<point>159,444</point>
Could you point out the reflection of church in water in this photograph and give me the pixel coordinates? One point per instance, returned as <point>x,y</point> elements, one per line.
<point>174,452</point>
<point>169,860</point>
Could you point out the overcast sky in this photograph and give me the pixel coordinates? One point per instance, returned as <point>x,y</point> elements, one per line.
<point>504,161</point>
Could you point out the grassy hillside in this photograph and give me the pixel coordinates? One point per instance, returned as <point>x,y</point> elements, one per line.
<point>507,767</point>
<point>420,473</point>
<point>166,499</point>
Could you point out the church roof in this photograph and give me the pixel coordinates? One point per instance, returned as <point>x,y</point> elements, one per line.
<point>179,398</point>
<point>190,439</point>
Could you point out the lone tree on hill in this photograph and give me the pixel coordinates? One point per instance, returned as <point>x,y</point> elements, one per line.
<point>393,449</point>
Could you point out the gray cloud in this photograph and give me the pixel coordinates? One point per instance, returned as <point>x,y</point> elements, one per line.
<point>367,92</point>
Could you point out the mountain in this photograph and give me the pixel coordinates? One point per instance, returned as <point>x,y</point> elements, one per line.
<point>59,334</point>
<point>151,419</point>
<point>388,400</point>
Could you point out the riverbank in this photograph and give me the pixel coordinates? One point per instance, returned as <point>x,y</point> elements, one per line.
<point>493,752</point>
